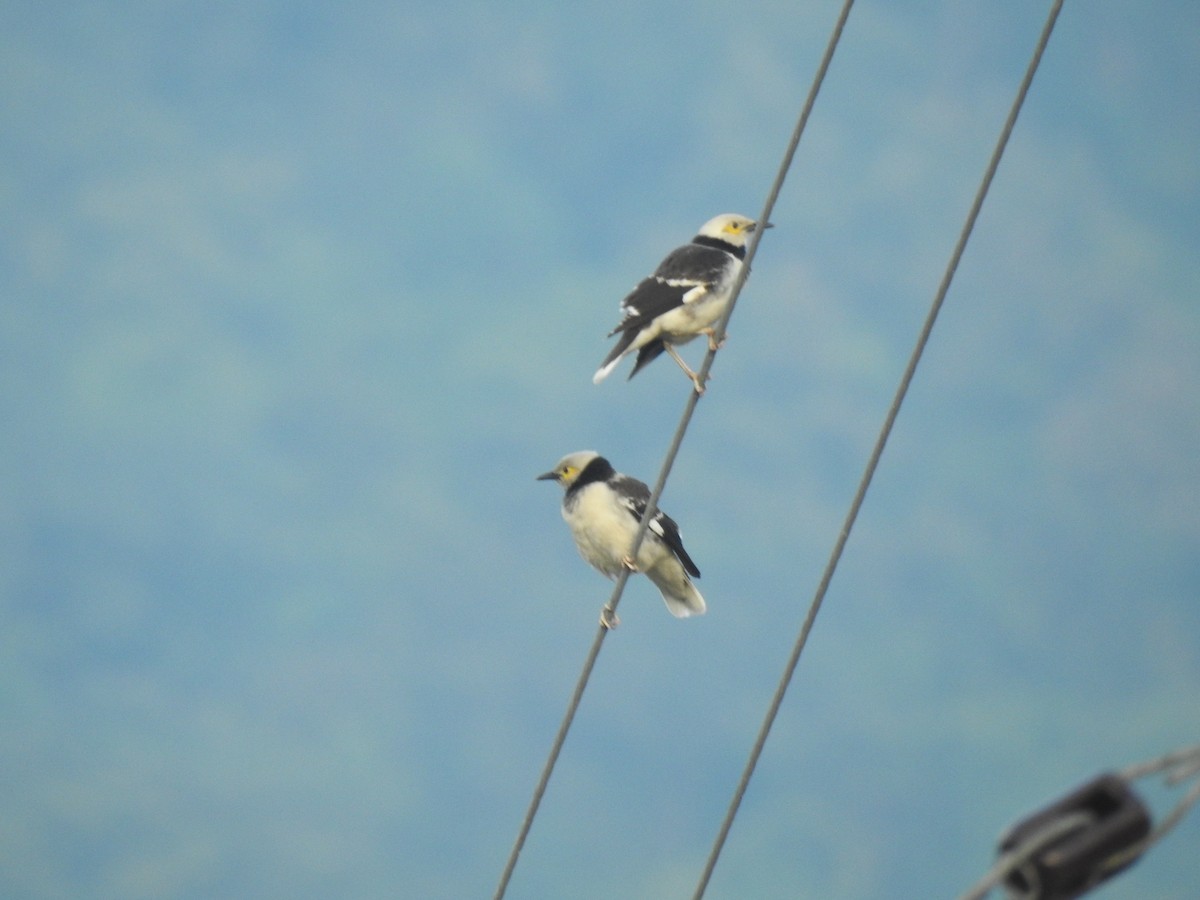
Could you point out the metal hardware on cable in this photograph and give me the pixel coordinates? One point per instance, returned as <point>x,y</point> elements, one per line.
<point>1088,836</point>
<point>1108,819</point>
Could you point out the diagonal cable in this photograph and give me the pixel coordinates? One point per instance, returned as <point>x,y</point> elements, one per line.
<point>877,452</point>
<point>669,460</point>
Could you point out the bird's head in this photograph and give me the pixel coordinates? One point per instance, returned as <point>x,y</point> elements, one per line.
<point>569,468</point>
<point>731,228</point>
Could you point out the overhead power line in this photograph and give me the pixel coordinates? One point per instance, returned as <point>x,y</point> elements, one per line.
<point>669,460</point>
<point>876,453</point>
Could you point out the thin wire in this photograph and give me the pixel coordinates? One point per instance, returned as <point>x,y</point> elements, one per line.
<point>1174,760</point>
<point>765,217</point>
<point>877,452</point>
<point>668,462</point>
<point>559,740</point>
<point>1169,821</point>
<point>1184,772</point>
<point>722,325</point>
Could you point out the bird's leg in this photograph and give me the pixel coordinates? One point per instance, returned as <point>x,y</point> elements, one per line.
<point>608,618</point>
<point>714,344</point>
<point>696,382</point>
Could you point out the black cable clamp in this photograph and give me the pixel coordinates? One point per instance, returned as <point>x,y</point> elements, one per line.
<point>1080,840</point>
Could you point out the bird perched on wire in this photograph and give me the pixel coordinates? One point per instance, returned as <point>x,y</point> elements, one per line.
<point>603,509</point>
<point>685,296</point>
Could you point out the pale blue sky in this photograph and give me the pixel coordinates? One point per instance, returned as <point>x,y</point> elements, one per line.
<point>297,299</point>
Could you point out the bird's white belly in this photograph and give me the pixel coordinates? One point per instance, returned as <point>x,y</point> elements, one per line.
<point>604,530</point>
<point>683,323</point>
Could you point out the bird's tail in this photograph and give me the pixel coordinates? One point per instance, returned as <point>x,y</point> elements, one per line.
<point>647,355</point>
<point>614,356</point>
<point>677,590</point>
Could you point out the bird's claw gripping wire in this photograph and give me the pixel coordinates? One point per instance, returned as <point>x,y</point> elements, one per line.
<point>713,344</point>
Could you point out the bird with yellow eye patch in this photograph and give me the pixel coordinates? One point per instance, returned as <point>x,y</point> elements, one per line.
<point>685,296</point>
<point>603,509</point>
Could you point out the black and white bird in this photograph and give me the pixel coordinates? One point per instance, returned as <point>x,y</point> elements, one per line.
<point>603,509</point>
<point>685,296</point>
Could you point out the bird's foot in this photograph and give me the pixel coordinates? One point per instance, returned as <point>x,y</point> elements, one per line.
<point>713,343</point>
<point>628,562</point>
<point>608,618</point>
<point>697,384</point>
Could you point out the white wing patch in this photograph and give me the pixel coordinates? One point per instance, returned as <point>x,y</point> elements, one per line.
<point>696,288</point>
<point>629,503</point>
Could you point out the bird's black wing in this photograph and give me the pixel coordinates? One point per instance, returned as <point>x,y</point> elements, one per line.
<point>685,269</point>
<point>650,299</point>
<point>635,495</point>
<point>694,261</point>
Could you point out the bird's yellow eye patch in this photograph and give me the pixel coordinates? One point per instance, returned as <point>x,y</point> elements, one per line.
<point>735,227</point>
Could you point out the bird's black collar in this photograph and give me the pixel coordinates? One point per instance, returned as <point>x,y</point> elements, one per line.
<point>599,469</point>
<point>717,244</point>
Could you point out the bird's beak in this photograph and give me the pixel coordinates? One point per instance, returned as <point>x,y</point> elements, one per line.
<point>547,476</point>
<point>765,225</point>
